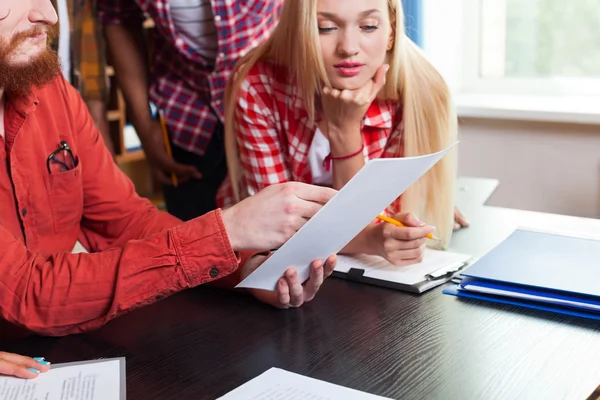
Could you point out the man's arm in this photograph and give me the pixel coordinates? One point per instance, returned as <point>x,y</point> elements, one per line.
<point>66,293</point>
<point>92,70</point>
<point>127,49</point>
<point>122,21</point>
<point>139,254</point>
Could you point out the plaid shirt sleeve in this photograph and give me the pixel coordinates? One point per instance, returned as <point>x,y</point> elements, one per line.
<point>116,12</point>
<point>264,147</point>
<point>92,65</point>
<point>260,145</point>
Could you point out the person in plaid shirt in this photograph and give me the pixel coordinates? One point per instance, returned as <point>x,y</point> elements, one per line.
<point>313,104</point>
<point>87,60</point>
<point>197,44</point>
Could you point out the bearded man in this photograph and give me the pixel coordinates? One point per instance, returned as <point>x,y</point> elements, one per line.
<point>58,184</point>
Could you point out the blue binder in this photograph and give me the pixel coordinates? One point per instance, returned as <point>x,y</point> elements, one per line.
<point>453,290</point>
<point>538,270</point>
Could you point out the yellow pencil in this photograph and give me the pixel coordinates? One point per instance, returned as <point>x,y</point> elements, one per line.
<point>165,133</point>
<point>398,223</point>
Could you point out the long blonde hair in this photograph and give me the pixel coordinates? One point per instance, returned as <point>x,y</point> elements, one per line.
<point>429,118</point>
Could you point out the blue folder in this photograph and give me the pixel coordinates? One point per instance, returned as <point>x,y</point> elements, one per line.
<point>538,270</point>
<point>453,290</point>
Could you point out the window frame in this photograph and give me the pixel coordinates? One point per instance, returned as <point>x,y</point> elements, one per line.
<point>472,82</point>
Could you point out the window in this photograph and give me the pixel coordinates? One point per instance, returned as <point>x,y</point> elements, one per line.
<point>532,47</point>
<point>518,59</point>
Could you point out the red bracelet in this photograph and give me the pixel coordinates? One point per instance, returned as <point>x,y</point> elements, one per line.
<point>327,160</point>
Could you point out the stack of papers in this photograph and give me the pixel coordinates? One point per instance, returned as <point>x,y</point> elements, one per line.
<point>89,380</point>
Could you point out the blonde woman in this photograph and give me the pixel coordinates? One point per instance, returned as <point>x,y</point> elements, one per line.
<point>337,84</point>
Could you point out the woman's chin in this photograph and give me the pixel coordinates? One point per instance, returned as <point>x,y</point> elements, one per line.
<point>351,83</point>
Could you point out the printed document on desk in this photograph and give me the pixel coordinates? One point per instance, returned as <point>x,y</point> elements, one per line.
<point>88,380</point>
<point>367,194</point>
<point>276,384</point>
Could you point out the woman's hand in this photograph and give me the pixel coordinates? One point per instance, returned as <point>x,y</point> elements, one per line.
<point>343,111</point>
<point>401,246</point>
<point>21,366</point>
<point>460,221</point>
<point>290,291</point>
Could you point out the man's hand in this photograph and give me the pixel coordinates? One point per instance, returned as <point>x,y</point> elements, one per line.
<point>268,219</point>
<point>161,164</point>
<point>21,366</point>
<point>290,291</point>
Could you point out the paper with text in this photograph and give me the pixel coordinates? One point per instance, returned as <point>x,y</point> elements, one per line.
<point>434,261</point>
<point>367,194</point>
<point>103,380</point>
<point>278,384</point>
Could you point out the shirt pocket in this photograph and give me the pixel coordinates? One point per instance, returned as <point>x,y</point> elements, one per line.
<point>65,195</point>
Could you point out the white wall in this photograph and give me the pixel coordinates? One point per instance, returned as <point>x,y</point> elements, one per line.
<point>541,166</point>
<point>545,167</point>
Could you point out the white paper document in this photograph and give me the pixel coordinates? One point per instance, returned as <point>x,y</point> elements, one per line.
<point>435,264</point>
<point>94,380</point>
<point>366,195</point>
<point>278,384</point>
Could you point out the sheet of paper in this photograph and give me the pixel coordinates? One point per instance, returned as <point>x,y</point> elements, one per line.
<point>94,380</point>
<point>278,384</point>
<point>367,194</point>
<point>435,262</point>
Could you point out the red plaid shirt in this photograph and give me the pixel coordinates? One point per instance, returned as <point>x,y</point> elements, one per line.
<point>188,88</point>
<point>274,133</point>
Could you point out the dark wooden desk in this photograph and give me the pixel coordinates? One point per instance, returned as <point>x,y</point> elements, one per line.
<point>202,343</point>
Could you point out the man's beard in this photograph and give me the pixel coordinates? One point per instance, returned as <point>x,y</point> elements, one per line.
<point>41,69</point>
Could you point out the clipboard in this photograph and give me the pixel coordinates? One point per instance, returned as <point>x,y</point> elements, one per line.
<point>437,268</point>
